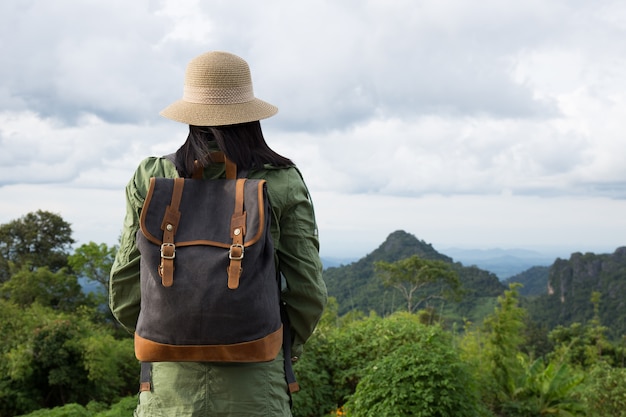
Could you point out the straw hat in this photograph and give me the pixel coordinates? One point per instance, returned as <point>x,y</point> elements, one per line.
<point>218,92</point>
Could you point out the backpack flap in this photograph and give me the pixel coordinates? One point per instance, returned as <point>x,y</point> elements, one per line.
<point>209,213</point>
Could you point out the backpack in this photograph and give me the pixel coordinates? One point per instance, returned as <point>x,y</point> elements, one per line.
<point>210,291</point>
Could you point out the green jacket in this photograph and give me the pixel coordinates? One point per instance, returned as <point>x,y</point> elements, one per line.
<point>293,230</point>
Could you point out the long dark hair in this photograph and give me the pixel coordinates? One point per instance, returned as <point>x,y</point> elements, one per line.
<point>243,144</point>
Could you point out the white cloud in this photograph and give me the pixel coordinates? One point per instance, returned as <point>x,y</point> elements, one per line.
<point>381,103</point>
<point>357,224</point>
<point>89,154</point>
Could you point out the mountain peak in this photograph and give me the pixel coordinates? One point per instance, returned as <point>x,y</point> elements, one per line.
<point>400,245</point>
<point>358,286</point>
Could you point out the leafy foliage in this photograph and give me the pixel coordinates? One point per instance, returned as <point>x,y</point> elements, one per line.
<point>37,239</point>
<point>546,389</point>
<point>571,284</point>
<point>56,358</point>
<point>605,392</point>
<point>534,281</point>
<point>313,372</point>
<point>511,383</point>
<point>424,278</point>
<point>68,410</point>
<point>123,408</point>
<point>56,349</point>
<point>58,290</point>
<point>422,377</point>
<point>369,339</point>
<point>585,345</point>
<point>93,261</point>
<point>505,328</point>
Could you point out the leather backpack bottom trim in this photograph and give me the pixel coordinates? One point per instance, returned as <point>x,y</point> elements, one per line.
<point>260,350</point>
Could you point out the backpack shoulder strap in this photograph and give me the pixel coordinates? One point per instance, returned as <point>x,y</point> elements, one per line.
<point>171,157</point>
<point>231,167</point>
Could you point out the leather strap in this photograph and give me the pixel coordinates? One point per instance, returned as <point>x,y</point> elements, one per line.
<point>237,233</point>
<point>217,156</point>
<point>230,166</point>
<point>197,171</point>
<point>145,378</point>
<point>288,359</point>
<point>169,227</point>
<point>237,225</point>
<point>231,169</point>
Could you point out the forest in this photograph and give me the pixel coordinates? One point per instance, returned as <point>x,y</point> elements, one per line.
<point>407,332</point>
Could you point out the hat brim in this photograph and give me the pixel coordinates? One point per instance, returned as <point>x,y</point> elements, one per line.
<point>218,114</point>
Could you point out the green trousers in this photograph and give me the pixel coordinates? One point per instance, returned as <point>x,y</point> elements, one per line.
<point>209,389</point>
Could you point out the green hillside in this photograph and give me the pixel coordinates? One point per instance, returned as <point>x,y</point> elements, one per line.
<point>357,287</point>
<point>534,281</point>
<point>556,295</point>
<point>571,283</point>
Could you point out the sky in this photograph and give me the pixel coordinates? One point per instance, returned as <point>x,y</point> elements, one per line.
<point>483,124</point>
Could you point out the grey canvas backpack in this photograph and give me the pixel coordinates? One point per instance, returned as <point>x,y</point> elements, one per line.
<point>209,284</point>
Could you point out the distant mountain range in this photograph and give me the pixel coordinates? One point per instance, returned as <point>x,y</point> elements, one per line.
<point>334,262</point>
<point>505,263</point>
<point>555,291</point>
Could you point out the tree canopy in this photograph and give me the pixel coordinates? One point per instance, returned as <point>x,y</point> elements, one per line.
<point>93,261</point>
<point>58,290</point>
<point>37,239</point>
<point>419,277</point>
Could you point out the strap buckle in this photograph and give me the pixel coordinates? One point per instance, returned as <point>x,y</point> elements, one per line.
<point>238,254</point>
<point>168,251</point>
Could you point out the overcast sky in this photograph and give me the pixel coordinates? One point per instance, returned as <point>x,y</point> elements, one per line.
<point>476,124</point>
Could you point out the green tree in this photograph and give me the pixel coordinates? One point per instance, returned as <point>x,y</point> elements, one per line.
<point>415,276</point>
<point>505,329</point>
<point>605,392</point>
<point>50,358</point>
<point>16,327</point>
<point>356,346</point>
<point>37,239</point>
<point>313,368</point>
<point>312,371</point>
<point>58,290</point>
<point>583,344</point>
<point>423,377</point>
<point>546,389</point>
<point>93,261</point>
<point>512,384</point>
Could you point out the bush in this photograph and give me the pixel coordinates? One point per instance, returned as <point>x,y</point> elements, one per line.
<point>360,343</point>
<point>605,392</point>
<point>424,377</point>
<point>123,408</point>
<point>316,395</point>
<point>51,358</point>
<point>68,410</point>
